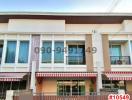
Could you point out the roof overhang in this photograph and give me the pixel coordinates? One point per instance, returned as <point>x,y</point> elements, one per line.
<point>12,76</point>
<point>119,75</point>
<point>70,18</point>
<point>66,74</point>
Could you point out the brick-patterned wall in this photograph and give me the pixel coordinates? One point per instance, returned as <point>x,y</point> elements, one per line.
<point>35,56</point>
<point>102,97</point>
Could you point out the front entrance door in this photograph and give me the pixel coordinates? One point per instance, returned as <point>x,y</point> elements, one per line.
<point>71,87</point>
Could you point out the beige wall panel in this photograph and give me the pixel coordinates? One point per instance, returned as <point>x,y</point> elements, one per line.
<point>129,85</point>
<point>105,44</point>
<point>49,86</point>
<point>89,55</point>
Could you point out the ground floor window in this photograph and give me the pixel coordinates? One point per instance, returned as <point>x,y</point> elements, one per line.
<point>20,85</point>
<point>71,87</point>
<point>113,84</point>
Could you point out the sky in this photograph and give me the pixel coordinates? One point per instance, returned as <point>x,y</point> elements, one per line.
<point>66,6</point>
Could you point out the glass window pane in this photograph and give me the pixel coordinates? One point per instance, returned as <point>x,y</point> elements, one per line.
<point>46,52</point>
<point>75,87</point>
<point>1,50</point>
<point>71,87</point>
<point>81,88</point>
<point>76,54</point>
<point>23,52</point>
<point>60,88</point>
<point>115,50</point>
<point>10,52</point>
<point>59,52</point>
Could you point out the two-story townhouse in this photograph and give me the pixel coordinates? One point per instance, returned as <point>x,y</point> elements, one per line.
<point>65,53</point>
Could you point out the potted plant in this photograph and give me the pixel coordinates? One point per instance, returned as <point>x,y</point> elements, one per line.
<point>91,87</point>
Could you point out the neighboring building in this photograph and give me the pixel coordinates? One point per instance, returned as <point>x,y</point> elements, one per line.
<point>64,53</point>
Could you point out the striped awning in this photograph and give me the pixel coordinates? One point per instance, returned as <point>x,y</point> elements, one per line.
<point>119,75</point>
<point>7,76</point>
<point>65,74</point>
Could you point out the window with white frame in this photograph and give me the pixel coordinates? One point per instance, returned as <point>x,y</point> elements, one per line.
<point>47,52</point>
<point>11,49</point>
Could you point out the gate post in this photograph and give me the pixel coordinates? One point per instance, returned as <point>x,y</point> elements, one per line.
<point>9,95</point>
<point>33,79</point>
<point>99,79</point>
<point>98,57</point>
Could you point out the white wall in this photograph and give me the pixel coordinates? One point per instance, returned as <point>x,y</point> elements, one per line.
<point>89,27</point>
<point>30,25</point>
<point>37,25</point>
<point>3,27</point>
<point>125,49</point>
<point>127,25</point>
<point>98,56</point>
<point>121,68</point>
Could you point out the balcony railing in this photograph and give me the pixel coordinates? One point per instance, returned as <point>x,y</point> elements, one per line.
<point>120,60</point>
<point>75,60</point>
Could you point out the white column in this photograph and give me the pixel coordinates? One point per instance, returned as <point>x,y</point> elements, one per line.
<point>9,95</point>
<point>33,79</point>
<point>4,53</point>
<point>130,49</point>
<point>52,54</point>
<point>65,54</point>
<point>40,52</point>
<point>99,78</point>
<point>29,51</point>
<point>98,57</point>
<point>17,51</point>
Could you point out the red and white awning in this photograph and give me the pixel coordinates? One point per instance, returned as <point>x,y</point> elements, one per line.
<point>7,76</point>
<point>119,75</point>
<point>65,75</point>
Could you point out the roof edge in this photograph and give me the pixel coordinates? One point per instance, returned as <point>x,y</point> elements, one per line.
<point>67,13</point>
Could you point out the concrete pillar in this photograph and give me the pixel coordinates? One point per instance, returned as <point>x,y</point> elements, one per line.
<point>106,56</point>
<point>99,78</point>
<point>98,58</point>
<point>130,48</point>
<point>9,94</point>
<point>129,85</point>
<point>35,43</point>
<point>89,55</point>
<point>33,79</point>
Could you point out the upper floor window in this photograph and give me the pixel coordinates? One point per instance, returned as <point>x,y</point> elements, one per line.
<point>76,54</point>
<point>46,52</point>
<point>116,56</point>
<point>59,52</point>
<point>23,52</point>
<point>10,52</point>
